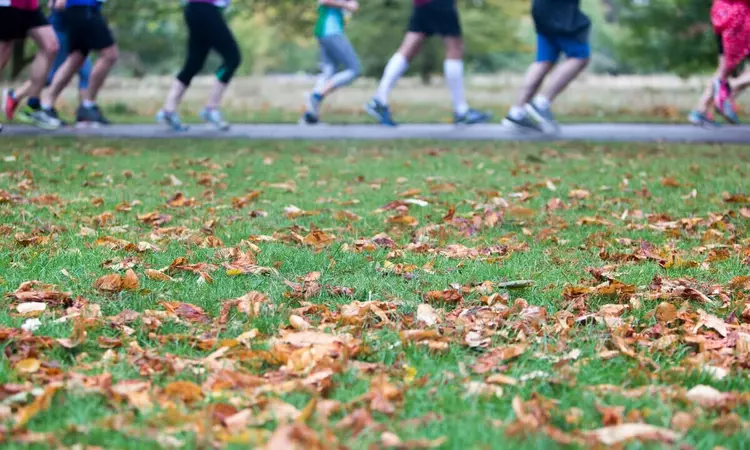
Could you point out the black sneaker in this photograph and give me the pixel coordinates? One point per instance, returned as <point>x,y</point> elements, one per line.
<point>90,116</point>
<point>308,118</point>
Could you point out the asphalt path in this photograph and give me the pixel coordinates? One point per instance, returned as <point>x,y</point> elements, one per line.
<point>602,132</point>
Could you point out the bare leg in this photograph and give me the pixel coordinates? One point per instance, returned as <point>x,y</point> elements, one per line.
<point>398,64</point>
<point>740,83</point>
<point>48,46</point>
<point>217,93</point>
<point>62,78</point>
<point>563,75</point>
<point>105,62</point>
<point>175,96</point>
<point>6,49</point>
<point>532,81</point>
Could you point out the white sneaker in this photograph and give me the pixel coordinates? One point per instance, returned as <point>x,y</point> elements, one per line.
<point>214,117</point>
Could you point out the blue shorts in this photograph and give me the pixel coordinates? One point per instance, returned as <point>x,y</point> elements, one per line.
<point>549,47</point>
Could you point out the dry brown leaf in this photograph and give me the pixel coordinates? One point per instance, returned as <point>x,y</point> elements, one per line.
<point>427,315</point>
<point>40,404</point>
<point>157,275</point>
<point>130,280</point>
<point>109,283</point>
<point>633,431</point>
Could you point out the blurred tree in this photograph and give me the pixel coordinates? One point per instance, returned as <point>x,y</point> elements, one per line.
<point>666,35</point>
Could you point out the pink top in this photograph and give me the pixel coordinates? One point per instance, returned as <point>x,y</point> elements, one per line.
<point>30,5</point>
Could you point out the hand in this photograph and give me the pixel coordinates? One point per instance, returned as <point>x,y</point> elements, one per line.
<point>352,6</point>
<point>60,4</point>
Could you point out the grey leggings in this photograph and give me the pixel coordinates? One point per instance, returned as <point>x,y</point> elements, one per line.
<point>337,51</point>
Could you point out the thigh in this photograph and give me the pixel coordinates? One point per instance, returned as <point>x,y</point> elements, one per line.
<point>444,19</point>
<point>575,48</point>
<point>14,24</point>
<point>547,49</point>
<point>99,36</point>
<point>341,51</point>
<point>326,56</point>
<point>221,38</point>
<point>419,21</point>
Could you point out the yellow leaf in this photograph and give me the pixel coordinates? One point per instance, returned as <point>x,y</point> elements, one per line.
<point>28,366</point>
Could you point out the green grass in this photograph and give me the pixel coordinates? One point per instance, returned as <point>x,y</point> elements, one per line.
<point>515,180</point>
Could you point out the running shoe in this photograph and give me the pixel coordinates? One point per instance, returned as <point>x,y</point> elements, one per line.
<point>171,119</point>
<point>313,103</point>
<point>524,124</point>
<point>380,112</point>
<point>701,120</point>
<point>213,116</point>
<point>308,118</point>
<point>39,118</point>
<point>543,116</point>
<point>472,117</point>
<point>9,103</point>
<point>723,102</point>
<point>90,116</point>
<point>52,112</point>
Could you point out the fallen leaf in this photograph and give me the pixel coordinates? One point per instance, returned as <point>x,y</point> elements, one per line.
<point>109,283</point>
<point>130,280</point>
<point>633,431</point>
<point>185,391</point>
<point>27,366</point>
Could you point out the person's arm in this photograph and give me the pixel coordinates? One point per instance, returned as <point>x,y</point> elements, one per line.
<point>349,5</point>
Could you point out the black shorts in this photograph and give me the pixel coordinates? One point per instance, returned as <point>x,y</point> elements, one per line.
<point>87,30</point>
<point>16,23</point>
<point>436,17</point>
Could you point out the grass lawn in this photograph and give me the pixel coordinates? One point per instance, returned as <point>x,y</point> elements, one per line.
<point>372,295</point>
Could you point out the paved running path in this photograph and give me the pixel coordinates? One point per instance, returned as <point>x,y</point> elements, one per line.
<point>605,132</point>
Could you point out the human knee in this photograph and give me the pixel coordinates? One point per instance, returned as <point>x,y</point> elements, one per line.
<point>50,46</point>
<point>356,68</point>
<point>454,48</point>
<point>110,55</point>
<point>232,60</point>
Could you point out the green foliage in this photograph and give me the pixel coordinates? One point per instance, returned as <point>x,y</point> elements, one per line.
<point>667,35</point>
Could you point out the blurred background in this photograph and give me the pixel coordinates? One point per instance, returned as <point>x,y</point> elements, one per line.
<point>661,50</point>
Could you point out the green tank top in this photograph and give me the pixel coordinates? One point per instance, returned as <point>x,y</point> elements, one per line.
<point>330,21</point>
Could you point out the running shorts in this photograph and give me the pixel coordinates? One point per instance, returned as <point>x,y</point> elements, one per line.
<point>87,30</point>
<point>436,17</point>
<point>16,23</point>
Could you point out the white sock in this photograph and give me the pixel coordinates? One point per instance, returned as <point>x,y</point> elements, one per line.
<point>88,104</point>
<point>454,78</point>
<point>46,107</point>
<point>541,102</point>
<point>393,71</point>
<point>517,112</point>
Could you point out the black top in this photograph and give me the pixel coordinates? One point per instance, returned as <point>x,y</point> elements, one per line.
<point>560,17</point>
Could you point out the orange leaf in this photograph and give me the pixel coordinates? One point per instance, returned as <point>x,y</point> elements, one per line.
<point>187,391</point>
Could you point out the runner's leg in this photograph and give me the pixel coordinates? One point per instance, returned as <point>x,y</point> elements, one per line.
<point>224,43</point>
<point>344,54</point>
<point>398,64</point>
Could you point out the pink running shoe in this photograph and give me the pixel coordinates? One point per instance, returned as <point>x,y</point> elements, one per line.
<point>723,102</point>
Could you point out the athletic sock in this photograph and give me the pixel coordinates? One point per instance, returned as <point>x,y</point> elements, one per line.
<point>454,78</point>
<point>34,103</point>
<point>517,112</point>
<point>541,102</point>
<point>396,67</point>
<point>88,103</point>
<point>46,107</point>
